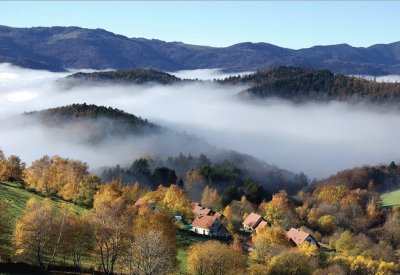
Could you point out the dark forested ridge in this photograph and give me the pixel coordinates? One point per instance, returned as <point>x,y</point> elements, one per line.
<point>57,48</point>
<point>94,122</point>
<point>132,76</point>
<point>300,84</point>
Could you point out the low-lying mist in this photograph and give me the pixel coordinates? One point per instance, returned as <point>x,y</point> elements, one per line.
<point>318,139</point>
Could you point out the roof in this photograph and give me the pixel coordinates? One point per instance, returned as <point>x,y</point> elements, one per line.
<point>144,202</point>
<point>198,209</point>
<point>297,236</point>
<point>252,220</point>
<point>204,221</point>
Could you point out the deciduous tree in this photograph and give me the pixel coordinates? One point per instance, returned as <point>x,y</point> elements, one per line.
<point>213,257</point>
<point>112,219</point>
<point>40,231</point>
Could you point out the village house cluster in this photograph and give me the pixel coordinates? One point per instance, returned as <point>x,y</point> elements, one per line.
<point>208,222</point>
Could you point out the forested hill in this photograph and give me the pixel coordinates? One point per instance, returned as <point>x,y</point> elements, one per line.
<point>60,48</point>
<point>300,84</point>
<point>96,121</point>
<point>378,178</point>
<point>132,76</point>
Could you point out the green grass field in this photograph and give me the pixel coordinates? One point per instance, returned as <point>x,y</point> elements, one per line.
<point>391,199</point>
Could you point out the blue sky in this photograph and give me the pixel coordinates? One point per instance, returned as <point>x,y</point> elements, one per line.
<point>295,24</point>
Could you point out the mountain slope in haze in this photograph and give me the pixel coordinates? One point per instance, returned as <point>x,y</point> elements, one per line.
<point>92,123</point>
<point>102,127</point>
<point>299,84</point>
<point>56,48</point>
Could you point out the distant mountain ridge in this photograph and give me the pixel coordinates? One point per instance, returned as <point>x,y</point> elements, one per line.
<point>58,48</point>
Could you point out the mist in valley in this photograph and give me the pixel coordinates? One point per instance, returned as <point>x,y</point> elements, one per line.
<point>318,139</point>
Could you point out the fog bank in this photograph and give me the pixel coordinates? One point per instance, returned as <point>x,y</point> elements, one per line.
<point>318,139</point>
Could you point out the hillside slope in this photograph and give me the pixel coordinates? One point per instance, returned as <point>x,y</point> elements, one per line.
<point>94,123</point>
<point>16,194</point>
<point>57,48</point>
<point>299,84</point>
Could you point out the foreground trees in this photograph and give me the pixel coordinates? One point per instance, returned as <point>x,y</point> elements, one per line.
<point>40,231</point>
<point>266,241</point>
<point>289,263</point>
<point>45,232</point>
<point>151,245</point>
<point>213,257</point>
<point>5,227</point>
<point>111,218</point>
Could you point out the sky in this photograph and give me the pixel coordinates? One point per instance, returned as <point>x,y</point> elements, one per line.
<point>291,24</point>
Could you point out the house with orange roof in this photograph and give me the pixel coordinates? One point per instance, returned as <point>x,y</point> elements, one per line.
<point>253,221</point>
<point>297,237</point>
<point>209,226</point>
<point>143,202</point>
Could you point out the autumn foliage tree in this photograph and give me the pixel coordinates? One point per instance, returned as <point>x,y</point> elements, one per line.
<point>79,238</point>
<point>264,240</point>
<point>279,211</point>
<point>112,219</point>
<point>151,248</point>
<point>177,202</point>
<point>213,257</point>
<point>11,168</point>
<point>289,263</point>
<point>40,231</point>
<point>57,176</point>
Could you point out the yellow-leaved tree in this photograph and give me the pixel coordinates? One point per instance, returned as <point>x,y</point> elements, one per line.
<point>112,219</point>
<point>264,240</point>
<point>279,212</point>
<point>11,169</point>
<point>40,232</point>
<point>177,202</point>
<point>152,246</point>
<point>213,257</point>
<point>57,175</point>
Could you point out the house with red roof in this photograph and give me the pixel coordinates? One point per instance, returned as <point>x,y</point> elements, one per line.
<point>143,202</point>
<point>297,237</point>
<point>209,226</point>
<point>252,221</point>
<point>207,222</point>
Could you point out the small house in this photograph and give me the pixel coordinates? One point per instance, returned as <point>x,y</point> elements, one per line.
<point>297,237</point>
<point>251,222</point>
<point>142,202</point>
<point>209,226</point>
